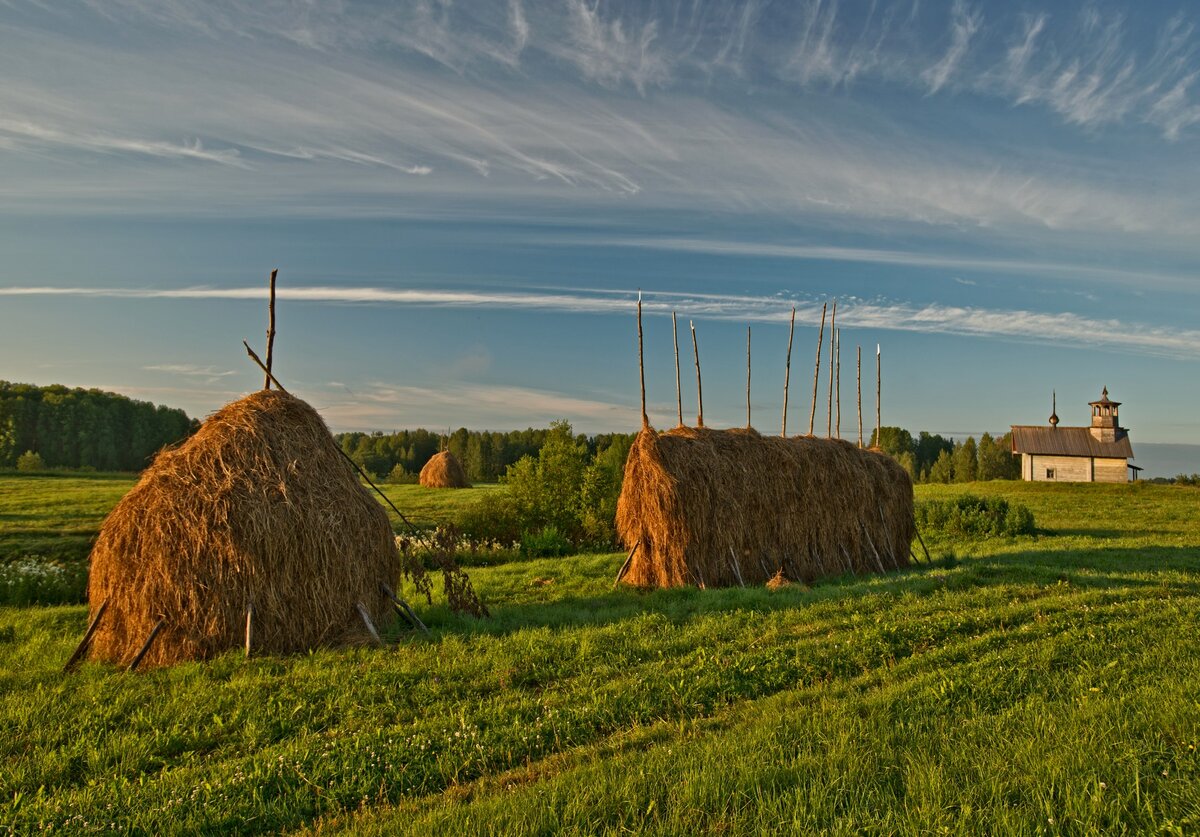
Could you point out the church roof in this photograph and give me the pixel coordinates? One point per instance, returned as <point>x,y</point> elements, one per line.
<point>1068,441</point>
<point>1104,402</point>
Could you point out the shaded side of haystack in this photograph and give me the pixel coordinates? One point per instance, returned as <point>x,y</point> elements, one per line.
<point>443,470</point>
<point>704,506</point>
<point>257,507</point>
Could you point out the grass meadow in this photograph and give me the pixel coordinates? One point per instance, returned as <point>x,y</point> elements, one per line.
<point>1044,684</point>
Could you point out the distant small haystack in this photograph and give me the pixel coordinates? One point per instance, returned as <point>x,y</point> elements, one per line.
<point>443,470</point>
<point>257,508</point>
<point>718,508</point>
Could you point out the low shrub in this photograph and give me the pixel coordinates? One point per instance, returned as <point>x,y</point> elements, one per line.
<point>971,516</point>
<point>547,543</point>
<point>35,580</point>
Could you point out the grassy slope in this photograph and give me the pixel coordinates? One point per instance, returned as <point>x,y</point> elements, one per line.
<point>1040,685</point>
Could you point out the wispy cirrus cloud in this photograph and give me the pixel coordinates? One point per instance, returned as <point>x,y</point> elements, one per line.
<point>1009,324</point>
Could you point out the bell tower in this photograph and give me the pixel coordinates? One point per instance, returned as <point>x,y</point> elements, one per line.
<point>1105,427</point>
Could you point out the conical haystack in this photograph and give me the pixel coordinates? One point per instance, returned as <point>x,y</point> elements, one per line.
<point>717,508</point>
<point>443,470</point>
<point>260,508</point>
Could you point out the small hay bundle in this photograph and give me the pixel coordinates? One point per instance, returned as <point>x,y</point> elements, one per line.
<point>717,508</point>
<point>257,508</point>
<point>443,470</point>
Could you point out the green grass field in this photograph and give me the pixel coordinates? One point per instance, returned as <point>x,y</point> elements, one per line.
<point>1046,684</point>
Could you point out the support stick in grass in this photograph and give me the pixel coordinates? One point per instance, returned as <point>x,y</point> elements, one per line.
<point>249,627</point>
<point>812,414</point>
<point>747,377</point>
<point>641,363</point>
<point>737,570</point>
<point>787,370</point>
<point>832,333</point>
<point>403,608</point>
<point>860,396</point>
<point>678,388</point>
<point>699,387</point>
<point>137,658</point>
<point>81,649</point>
<point>366,620</point>
<point>921,540</point>
<point>270,330</point>
<point>625,567</point>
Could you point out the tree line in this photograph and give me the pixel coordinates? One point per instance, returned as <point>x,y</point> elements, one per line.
<point>61,427</point>
<point>930,457</point>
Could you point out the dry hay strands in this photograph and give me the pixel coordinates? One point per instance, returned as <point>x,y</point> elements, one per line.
<point>258,506</point>
<point>443,470</point>
<point>693,498</point>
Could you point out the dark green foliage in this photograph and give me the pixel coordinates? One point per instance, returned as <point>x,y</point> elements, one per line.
<point>85,428</point>
<point>966,465</point>
<point>547,543</point>
<point>1184,479</point>
<point>30,461</point>
<point>971,516</point>
<point>934,458</point>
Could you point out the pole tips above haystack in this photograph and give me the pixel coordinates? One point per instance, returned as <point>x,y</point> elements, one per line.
<point>443,470</point>
<point>259,509</point>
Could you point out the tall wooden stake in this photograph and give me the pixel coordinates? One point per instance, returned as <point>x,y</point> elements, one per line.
<point>747,377</point>
<point>699,388</point>
<point>787,370</point>
<point>249,627</point>
<point>829,413</point>
<point>837,391</point>
<point>860,396</point>
<point>878,392</point>
<point>270,329</point>
<point>641,364</point>
<point>678,389</point>
<point>812,415</point>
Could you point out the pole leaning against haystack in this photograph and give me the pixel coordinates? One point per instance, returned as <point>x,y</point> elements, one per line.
<point>860,396</point>
<point>641,363</point>
<point>832,340</point>
<point>270,330</point>
<point>787,370</point>
<point>878,391</point>
<point>137,658</point>
<point>366,620</point>
<point>403,608</point>
<point>812,415</point>
<point>678,388</point>
<point>747,377</point>
<point>699,387</point>
<point>249,627</point>
<point>81,649</point>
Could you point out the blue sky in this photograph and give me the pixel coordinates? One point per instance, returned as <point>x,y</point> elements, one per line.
<point>463,199</point>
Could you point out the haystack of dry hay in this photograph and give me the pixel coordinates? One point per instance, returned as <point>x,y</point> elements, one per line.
<point>717,508</point>
<point>443,470</point>
<point>260,508</point>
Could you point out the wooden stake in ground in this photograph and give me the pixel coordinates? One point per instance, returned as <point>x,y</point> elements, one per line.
<point>249,627</point>
<point>641,364</point>
<point>678,389</point>
<point>812,415</point>
<point>270,329</point>
<point>81,649</point>
<point>832,331</point>
<point>837,387</point>
<point>860,396</point>
<point>878,391</point>
<point>747,377</point>
<point>699,388</point>
<point>137,658</point>
<point>366,620</point>
<point>787,370</point>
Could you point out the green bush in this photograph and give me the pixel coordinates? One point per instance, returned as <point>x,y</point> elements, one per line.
<point>30,461</point>
<point>35,580</point>
<point>547,543</point>
<point>974,517</point>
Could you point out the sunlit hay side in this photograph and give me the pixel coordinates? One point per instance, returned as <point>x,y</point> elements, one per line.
<point>443,470</point>
<point>704,506</point>
<point>258,507</point>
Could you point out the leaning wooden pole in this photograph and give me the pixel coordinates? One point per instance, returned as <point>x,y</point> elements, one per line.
<point>678,388</point>
<point>270,330</point>
<point>860,396</point>
<point>878,392</point>
<point>82,648</point>
<point>832,332</point>
<point>137,658</point>
<point>747,377</point>
<point>787,370</point>
<point>641,364</point>
<point>699,387</point>
<point>837,387</point>
<point>812,414</point>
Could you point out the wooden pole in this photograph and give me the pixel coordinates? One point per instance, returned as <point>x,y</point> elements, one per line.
<point>837,391</point>
<point>737,570</point>
<point>249,627</point>
<point>137,658</point>
<point>80,649</point>
<point>747,377</point>
<point>625,567</point>
<point>699,388</point>
<point>403,608</point>
<point>860,396</point>
<point>270,330</point>
<point>264,368</point>
<point>366,620</point>
<point>641,364</point>
<point>832,332</point>
<point>812,415</point>
<point>878,392</point>
<point>787,370</point>
<point>678,388</point>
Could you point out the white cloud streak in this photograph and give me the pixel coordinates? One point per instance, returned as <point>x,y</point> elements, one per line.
<point>1013,324</point>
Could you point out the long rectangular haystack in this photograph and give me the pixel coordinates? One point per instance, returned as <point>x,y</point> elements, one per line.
<point>717,508</point>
